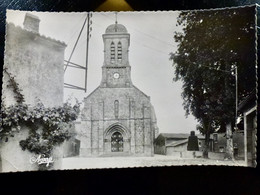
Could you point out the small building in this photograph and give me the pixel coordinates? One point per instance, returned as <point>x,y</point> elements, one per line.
<point>220,143</point>
<point>169,143</point>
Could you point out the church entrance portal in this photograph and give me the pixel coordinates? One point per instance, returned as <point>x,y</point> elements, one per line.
<point>117,142</point>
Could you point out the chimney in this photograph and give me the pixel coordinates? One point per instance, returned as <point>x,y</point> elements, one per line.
<point>31,23</point>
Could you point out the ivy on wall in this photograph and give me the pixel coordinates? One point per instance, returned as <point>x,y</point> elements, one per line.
<point>48,127</point>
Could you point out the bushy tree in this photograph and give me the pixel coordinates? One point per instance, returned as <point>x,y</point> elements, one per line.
<point>212,43</point>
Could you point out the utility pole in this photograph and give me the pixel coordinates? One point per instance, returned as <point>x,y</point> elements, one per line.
<point>88,37</point>
<point>236,97</point>
<point>234,68</point>
<point>68,62</point>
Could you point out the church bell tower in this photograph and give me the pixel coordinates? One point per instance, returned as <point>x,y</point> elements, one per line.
<point>116,71</point>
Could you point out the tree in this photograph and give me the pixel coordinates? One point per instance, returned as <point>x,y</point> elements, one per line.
<point>211,44</point>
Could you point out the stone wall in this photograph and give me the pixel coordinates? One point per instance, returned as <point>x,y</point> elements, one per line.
<point>194,154</point>
<point>179,148</point>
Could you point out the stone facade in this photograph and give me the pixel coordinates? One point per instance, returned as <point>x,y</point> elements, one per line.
<point>117,118</point>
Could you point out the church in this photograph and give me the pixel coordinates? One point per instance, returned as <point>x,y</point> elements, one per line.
<point>117,119</point>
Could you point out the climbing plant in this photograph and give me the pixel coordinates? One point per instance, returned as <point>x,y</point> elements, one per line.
<point>48,127</point>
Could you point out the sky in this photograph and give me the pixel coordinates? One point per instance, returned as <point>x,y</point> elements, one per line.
<point>151,41</point>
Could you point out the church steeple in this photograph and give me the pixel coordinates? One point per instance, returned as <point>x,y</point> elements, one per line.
<point>116,68</point>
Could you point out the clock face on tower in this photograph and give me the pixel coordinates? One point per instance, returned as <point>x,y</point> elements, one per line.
<point>116,75</point>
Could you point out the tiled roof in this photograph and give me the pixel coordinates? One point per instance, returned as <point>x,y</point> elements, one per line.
<point>175,135</point>
<point>247,100</point>
<point>176,143</point>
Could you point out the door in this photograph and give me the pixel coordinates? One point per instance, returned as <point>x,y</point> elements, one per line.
<point>117,143</point>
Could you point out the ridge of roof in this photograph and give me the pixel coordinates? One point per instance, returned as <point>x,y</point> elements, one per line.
<point>141,92</point>
<point>176,143</point>
<point>180,135</point>
<point>176,135</point>
<point>36,33</point>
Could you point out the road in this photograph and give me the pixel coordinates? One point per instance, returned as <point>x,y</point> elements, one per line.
<point>124,162</point>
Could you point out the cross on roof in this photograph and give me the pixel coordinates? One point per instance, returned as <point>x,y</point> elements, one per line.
<point>116,17</point>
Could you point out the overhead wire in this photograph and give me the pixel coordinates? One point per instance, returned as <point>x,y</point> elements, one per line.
<point>76,29</point>
<point>144,33</point>
<point>139,42</point>
<point>85,33</point>
<point>100,26</point>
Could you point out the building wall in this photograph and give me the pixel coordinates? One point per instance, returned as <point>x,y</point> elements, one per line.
<point>37,64</point>
<point>179,148</point>
<point>13,157</point>
<point>134,116</point>
<point>238,142</point>
<point>202,144</point>
<point>159,145</point>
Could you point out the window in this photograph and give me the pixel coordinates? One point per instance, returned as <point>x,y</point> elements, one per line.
<point>119,51</point>
<point>112,51</point>
<point>221,149</point>
<point>215,137</point>
<point>116,108</point>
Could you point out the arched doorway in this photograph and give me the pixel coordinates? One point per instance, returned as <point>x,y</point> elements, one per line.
<point>117,142</point>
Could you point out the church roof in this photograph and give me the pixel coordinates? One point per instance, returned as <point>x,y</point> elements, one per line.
<point>116,28</point>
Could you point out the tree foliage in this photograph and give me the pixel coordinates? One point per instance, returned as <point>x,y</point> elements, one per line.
<point>211,44</point>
